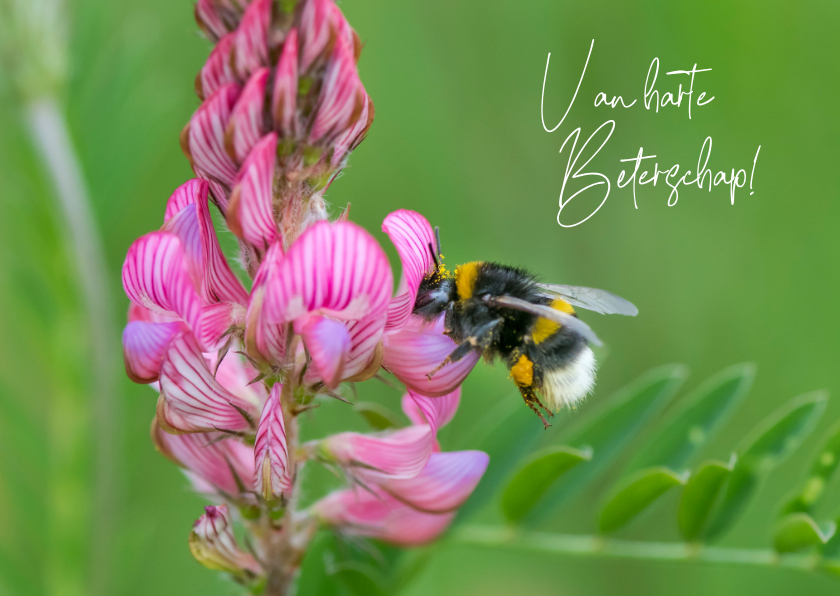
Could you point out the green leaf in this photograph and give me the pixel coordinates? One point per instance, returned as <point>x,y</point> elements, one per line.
<point>823,466</point>
<point>379,417</point>
<point>635,494</point>
<point>609,429</point>
<point>767,446</point>
<point>706,409</point>
<point>798,531</point>
<point>699,496</point>
<point>535,476</point>
<point>360,579</point>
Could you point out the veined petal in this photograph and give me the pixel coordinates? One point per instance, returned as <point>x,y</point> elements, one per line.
<point>205,136</point>
<point>417,349</point>
<point>342,96</point>
<point>217,71</point>
<point>251,212</point>
<point>139,313</point>
<point>437,412</point>
<point>213,544</point>
<point>444,484</point>
<point>344,31</point>
<point>251,41</point>
<point>271,456</point>
<point>399,454</point>
<point>209,20</point>
<point>365,335</point>
<point>414,240</point>
<point>349,140</point>
<point>217,321</point>
<point>284,96</point>
<point>235,373</point>
<point>378,515</point>
<point>246,124</point>
<point>328,343</point>
<point>144,346</point>
<point>314,31</point>
<point>265,339</point>
<point>192,400</point>
<point>335,269</point>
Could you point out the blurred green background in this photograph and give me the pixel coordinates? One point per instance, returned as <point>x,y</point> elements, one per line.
<point>458,137</point>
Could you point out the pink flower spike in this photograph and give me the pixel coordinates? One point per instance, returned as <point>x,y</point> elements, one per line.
<point>328,343</point>
<point>417,349</point>
<point>205,136</point>
<point>378,515</point>
<point>217,71</point>
<point>443,485</point>
<point>314,31</point>
<point>271,457</point>
<point>246,124</point>
<point>192,400</point>
<point>284,96</point>
<point>251,212</point>
<point>144,346</point>
<point>437,412</point>
<point>414,240</point>
<point>342,96</point>
<point>398,454</point>
<point>251,38</point>
<point>333,269</point>
<point>221,464</point>
<point>213,544</point>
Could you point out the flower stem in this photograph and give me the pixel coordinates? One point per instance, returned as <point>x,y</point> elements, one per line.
<point>589,545</point>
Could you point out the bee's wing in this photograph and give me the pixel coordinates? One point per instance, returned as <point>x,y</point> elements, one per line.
<point>558,316</point>
<point>593,299</point>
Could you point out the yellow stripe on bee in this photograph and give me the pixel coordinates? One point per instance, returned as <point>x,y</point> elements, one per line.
<point>545,328</point>
<point>523,372</point>
<point>465,276</point>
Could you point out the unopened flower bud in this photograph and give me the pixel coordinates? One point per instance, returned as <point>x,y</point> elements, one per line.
<point>213,544</point>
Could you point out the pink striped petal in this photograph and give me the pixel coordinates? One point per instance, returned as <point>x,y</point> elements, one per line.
<point>217,321</point>
<point>235,373</point>
<point>412,236</point>
<point>251,41</point>
<point>144,346</point>
<point>417,349</point>
<point>191,398</point>
<point>443,485</point>
<point>284,96</point>
<point>139,313</point>
<point>378,515</point>
<point>206,136</point>
<point>365,336</point>
<point>437,412</point>
<point>208,457</point>
<point>351,139</point>
<point>272,477</point>
<point>335,269</point>
<point>246,124</point>
<point>218,193</point>
<point>399,454</point>
<point>217,71</point>
<point>251,212</point>
<point>314,31</point>
<point>265,339</point>
<point>344,31</point>
<point>213,544</point>
<point>342,96</point>
<point>209,20</point>
<point>328,343</point>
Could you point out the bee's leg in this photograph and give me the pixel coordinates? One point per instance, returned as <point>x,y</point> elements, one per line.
<point>531,399</point>
<point>480,341</point>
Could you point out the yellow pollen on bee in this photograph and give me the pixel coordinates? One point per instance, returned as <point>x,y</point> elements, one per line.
<point>465,276</point>
<point>523,372</point>
<point>545,328</point>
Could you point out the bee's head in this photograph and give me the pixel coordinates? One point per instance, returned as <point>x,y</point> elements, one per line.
<point>434,296</point>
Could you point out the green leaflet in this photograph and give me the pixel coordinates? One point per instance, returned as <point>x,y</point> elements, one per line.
<point>767,446</point>
<point>535,476</point>
<point>823,466</point>
<point>635,494</point>
<point>704,412</point>
<point>378,417</point>
<point>699,496</point>
<point>798,531</point>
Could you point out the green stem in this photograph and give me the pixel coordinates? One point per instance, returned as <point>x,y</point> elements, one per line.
<point>588,545</point>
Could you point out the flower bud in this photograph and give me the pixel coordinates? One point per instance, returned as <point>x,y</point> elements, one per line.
<point>213,544</point>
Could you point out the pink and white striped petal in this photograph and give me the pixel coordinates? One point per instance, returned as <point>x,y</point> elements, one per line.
<point>271,456</point>
<point>437,412</point>
<point>342,96</point>
<point>344,31</point>
<point>192,400</point>
<point>365,335</point>
<point>217,71</point>
<point>251,41</point>
<point>205,137</point>
<point>444,484</point>
<point>399,454</point>
<point>264,339</point>
<point>251,212</point>
<point>247,123</point>
<point>334,269</point>
<point>144,346</point>
<point>208,19</point>
<point>235,373</point>
<point>315,31</point>
<point>379,515</point>
<point>284,96</point>
<point>414,240</point>
<point>351,139</point>
<point>328,343</point>
<point>417,349</point>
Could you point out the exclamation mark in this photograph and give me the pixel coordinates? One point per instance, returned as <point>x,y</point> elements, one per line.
<point>753,170</point>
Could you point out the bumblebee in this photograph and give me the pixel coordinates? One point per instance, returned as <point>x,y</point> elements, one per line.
<point>505,313</point>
